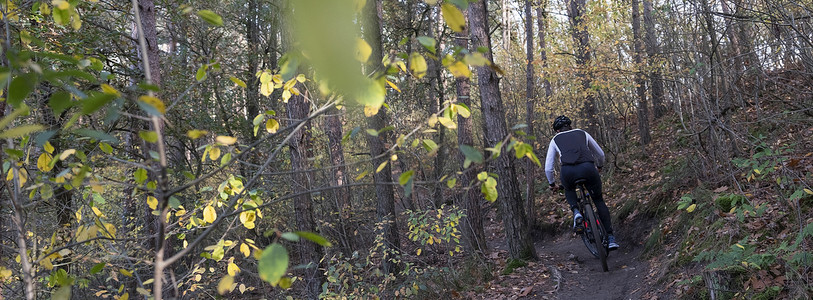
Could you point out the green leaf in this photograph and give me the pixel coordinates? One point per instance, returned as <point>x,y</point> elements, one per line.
<point>95,101</point>
<point>471,153</point>
<point>430,145</point>
<point>372,132</point>
<point>106,148</point>
<point>174,202</point>
<point>428,43</point>
<point>463,4</point>
<point>489,189</point>
<point>453,17</point>
<point>148,136</point>
<point>451,183</point>
<point>22,111</point>
<point>140,175</point>
<point>59,102</point>
<point>20,131</point>
<point>313,237</point>
<point>273,263</point>
<point>290,236</point>
<point>97,268</point>
<point>210,17</point>
<point>19,88</point>
<point>405,177</point>
<point>201,74</point>
<point>98,135</point>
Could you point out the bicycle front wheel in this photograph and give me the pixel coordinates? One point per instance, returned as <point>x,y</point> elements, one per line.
<point>595,230</point>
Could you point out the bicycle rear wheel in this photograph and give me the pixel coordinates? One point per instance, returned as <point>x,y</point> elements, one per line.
<point>595,230</point>
<point>588,239</point>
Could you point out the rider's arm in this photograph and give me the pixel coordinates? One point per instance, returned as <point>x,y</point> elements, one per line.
<point>553,150</point>
<point>598,154</point>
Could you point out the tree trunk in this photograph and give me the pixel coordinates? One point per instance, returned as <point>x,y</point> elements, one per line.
<point>469,198</point>
<point>542,23</point>
<point>654,53</point>
<point>300,146</point>
<point>385,208</point>
<point>581,39</point>
<point>333,130</point>
<point>510,200</point>
<point>437,99</point>
<point>640,82</point>
<point>530,96</point>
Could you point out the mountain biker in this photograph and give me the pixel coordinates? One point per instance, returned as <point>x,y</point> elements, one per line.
<point>580,158</point>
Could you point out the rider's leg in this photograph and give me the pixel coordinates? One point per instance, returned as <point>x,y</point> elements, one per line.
<point>594,186</point>
<point>569,174</point>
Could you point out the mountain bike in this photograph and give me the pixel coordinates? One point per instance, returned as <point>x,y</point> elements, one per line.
<point>593,233</point>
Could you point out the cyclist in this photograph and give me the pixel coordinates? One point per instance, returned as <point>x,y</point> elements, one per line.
<point>580,158</point>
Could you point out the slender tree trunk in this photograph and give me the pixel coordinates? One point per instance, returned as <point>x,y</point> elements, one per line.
<point>654,55</point>
<point>542,23</point>
<point>469,198</point>
<point>510,199</point>
<point>640,82</point>
<point>437,93</point>
<point>385,209</point>
<point>530,95</point>
<point>301,144</point>
<point>333,130</point>
<point>581,39</point>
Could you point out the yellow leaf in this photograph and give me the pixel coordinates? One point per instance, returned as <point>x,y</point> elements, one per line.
<point>418,253</point>
<point>463,111</point>
<point>363,50</point>
<point>454,18</point>
<point>757,171</point>
<point>107,89</point>
<point>245,249</point>
<point>209,214</point>
<point>266,88</point>
<point>741,247</point>
<point>271,126</point>
<point>96,211</point>
<point>301,78</point>
<point>225,285</point>
<point>808,191</point>
<point>370,111</point>
<point>152,202</point>
<point>417,65</point>
<point>225,140</point>
<point>126,272</point>
<point>154,102</point>
<point>195,134</point>
<point>66,153</point>
<point>214,153</point>
<point>47,263</point>
<point>691,208</point>
<point>44,162</point>
<point>448,123</point>
<point>286,94</point>
<point>393,86</point>
<point>61,4</point>
<point>460,69</point>
<point>126,296</point>
<point>238,82</point>
<point>48,147</point>
<point>232,269</point>
<point>381,166</point>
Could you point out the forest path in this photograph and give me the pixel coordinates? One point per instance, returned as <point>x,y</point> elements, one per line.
<point>578,273</point>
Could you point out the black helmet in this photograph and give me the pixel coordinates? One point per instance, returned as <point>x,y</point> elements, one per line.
<point>561,121</point>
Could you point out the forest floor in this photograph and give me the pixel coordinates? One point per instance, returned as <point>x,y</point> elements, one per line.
<point>566,270</point>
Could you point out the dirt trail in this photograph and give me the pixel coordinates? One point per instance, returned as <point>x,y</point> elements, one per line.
<point>579,273</point>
